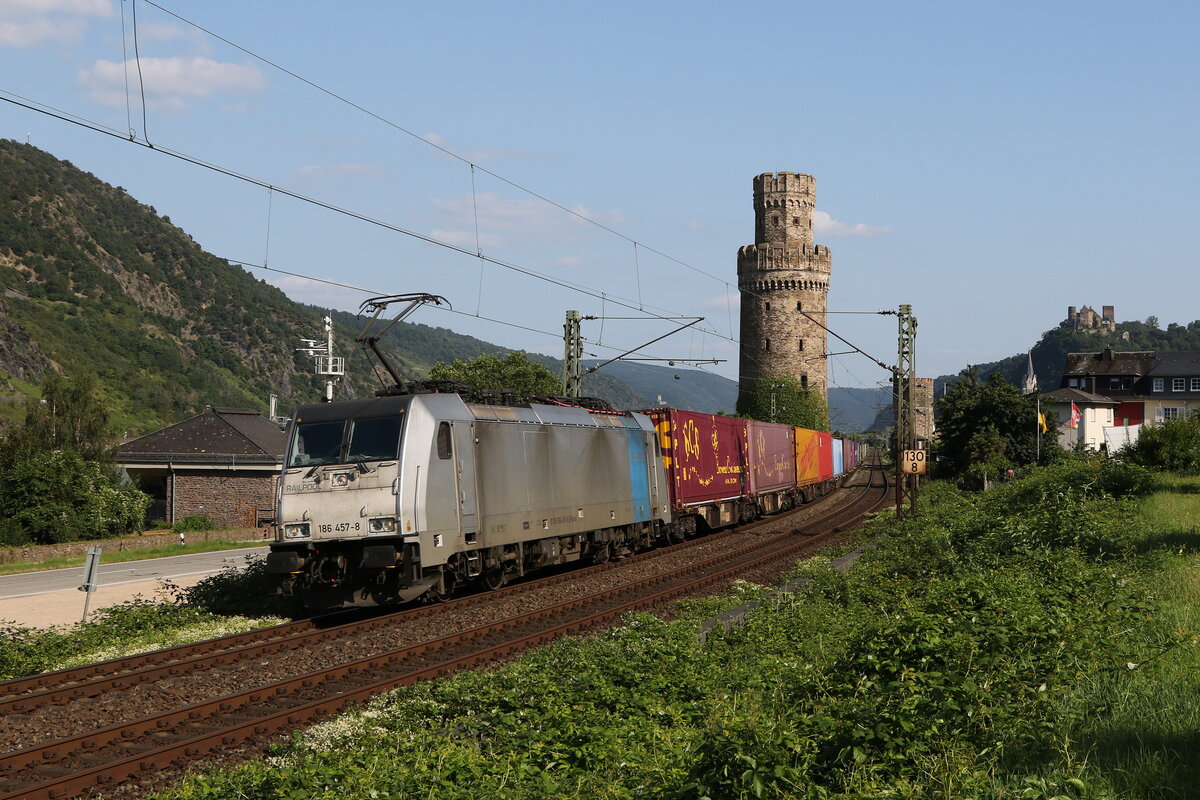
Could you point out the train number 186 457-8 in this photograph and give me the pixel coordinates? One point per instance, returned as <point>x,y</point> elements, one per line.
<point>339,527</point>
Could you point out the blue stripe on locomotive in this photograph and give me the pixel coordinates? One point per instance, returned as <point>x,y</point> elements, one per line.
<point>639,480</point>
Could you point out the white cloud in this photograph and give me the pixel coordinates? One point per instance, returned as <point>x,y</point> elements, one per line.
<point>160,31</point>
<point>467,239</point>
<point>825,225</point>
<point>333,170</point>
<point>304,290</point>
<point>505,221</point>
<point>26,23</point>
<point>477,155</point>
<point>169,82</point>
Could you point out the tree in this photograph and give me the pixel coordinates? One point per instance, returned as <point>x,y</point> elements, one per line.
<point>514,372</point>
<point>59,484</point>
<point>69,416</point>
<point>989,425</point>
<point>783,399</point>
<point>1174,445</point>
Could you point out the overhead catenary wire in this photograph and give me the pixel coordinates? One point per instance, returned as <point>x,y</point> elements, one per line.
<point>447,151</point>
<point>650,311</point>
<point>473,166</point>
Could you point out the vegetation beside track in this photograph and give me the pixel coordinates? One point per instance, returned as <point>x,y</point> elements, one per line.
<point>1038,640</point>
<point>215,606</point>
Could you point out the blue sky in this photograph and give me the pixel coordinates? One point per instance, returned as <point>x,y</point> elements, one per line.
<point>988,164</point>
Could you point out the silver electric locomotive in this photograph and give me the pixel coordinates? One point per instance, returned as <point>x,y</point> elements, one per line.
<point>397,497</point>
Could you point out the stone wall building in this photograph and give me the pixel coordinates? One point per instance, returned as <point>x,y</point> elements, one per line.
<point>784,283</point>
<point>223,464</point>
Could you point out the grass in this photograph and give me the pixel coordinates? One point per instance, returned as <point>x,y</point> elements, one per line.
<point>1146,742</point>
<point>1060,671</point>
<point>118,556</point>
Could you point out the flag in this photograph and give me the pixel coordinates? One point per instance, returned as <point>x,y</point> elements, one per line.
<point>1075,415</point>
<point>1042,422</point>
<point>1031,383</point>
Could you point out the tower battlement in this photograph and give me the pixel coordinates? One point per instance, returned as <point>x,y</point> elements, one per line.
<point>768,257</point>
<point>783,206</point>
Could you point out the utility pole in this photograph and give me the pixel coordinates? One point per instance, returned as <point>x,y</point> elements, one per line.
<point>325,362</point>
<point>572,356</point>
<point>904,380</point>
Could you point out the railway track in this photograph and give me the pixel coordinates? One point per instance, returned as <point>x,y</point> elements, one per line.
<point>107,756</point>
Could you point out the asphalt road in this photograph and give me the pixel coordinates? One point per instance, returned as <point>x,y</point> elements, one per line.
<point>29,584</point>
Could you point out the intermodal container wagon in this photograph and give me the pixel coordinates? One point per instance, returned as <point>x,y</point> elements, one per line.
<point>706,462</point>
<point>772,463</point>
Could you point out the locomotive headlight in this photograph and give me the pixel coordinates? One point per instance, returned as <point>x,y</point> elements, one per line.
<point>341,479</point>
<point>297,530</point>
<point>383,525</point>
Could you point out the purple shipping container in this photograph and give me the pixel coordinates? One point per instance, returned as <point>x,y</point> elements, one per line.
<point>772,456</point>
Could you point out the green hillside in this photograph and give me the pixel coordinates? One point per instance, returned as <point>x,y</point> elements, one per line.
<point>92,281</point>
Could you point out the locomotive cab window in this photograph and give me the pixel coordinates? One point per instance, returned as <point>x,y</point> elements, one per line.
<point>374,439</point>
<point>315,443</point>
<point>443,440</point>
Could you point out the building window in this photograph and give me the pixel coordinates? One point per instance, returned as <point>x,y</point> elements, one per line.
<point>1158,385</point>
<point>798,308</point>
<point>801,345</point>
<point>1170,413</point>
<point>767,345</point>
<point>803,381</point>
<point>795,220</point>
<point>1195,385</point>
<point>774,220</point>
<point>767,306</point>
<point>1073,382</point>
<point>1177,384</point>
<point>1114,383</point>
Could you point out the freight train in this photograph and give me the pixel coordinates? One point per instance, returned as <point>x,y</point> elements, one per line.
<point>385,500</point>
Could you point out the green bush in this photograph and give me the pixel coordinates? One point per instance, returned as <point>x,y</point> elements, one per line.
<point>59,496</point>
<point>194,522</point>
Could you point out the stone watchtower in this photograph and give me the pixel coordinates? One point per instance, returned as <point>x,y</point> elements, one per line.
<point>779,277</point>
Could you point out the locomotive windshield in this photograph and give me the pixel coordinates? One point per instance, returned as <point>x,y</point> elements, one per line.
<point>326,442</point>
<point>374,439</point>
<point>315,443</point>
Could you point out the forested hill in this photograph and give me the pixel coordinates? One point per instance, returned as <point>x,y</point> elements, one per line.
<point>1049,354</point>
<point>92,281</point>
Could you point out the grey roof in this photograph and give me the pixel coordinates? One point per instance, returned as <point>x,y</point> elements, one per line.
<point>1109,362</point>
<point>216,434</point>
<point>1079,397</point>
<point>1181,364</point>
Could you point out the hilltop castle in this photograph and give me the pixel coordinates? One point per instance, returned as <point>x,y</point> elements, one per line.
<point>1086,319</point>
<point>784,282</point>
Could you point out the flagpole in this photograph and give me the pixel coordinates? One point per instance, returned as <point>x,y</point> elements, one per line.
<point>1038,423</point>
